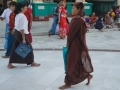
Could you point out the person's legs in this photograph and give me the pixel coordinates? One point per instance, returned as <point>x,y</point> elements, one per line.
<point>29,35</point>
<point>10,43</point>
<point>6,37</point>
<point>92,25</point>
<point>54,25</point>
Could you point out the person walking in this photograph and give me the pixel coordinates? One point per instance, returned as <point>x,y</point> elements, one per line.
<point>20,35</point>
<point>79,65</point>
<point>63,25</point>
<point>55,18</point>
<point>5,15</point>
<point>28,14</point>
<point>11,27</point>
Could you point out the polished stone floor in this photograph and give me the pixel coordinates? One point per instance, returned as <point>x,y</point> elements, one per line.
<point>50,75</point>
<point>95,40</point>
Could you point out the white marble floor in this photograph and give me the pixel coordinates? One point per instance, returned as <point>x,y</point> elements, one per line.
<point>50,75</point>
<point>98,40</point>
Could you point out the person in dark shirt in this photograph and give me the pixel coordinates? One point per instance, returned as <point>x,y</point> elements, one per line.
<point>99,24</point>
<point>55,18</point>
<point>1,9</point>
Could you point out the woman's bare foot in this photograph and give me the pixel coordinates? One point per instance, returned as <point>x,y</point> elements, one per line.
<point>61,37</point>
<point>49,34</point>
<point>11,66</point>
<point>4,56</point>
<point>65,87</point>
<point>35,64</point>
<point>89,78</point>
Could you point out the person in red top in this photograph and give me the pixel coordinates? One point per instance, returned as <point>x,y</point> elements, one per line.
<point>11,26</point>
<point>63,25</point>
<point>93,19</point>
<point>29,16</point>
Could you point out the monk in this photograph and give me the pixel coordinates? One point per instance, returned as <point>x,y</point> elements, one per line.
<point>78,66</point>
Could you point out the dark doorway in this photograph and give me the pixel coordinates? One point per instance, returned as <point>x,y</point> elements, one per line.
<point>102,6</point>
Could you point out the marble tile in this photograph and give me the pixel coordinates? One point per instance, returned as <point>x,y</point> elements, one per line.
<point>108,89</point>
<point>91,88</point>
<point>111,83</point>
<point>50,75</point>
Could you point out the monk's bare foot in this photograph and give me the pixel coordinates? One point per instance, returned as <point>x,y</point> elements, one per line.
<point>65,87</point>
<point>89,78</point>
<point>11,66</point>
<point>35,64</point>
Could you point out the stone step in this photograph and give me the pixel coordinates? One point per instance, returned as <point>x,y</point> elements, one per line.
<point>106,30</point>
<point>43,33</point>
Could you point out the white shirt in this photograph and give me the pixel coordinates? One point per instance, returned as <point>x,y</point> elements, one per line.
<point>30,6</point>
<point>21,23</point>
<point>6,14</point>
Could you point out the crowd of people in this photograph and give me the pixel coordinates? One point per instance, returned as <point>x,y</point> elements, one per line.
<point>103,22</point>
<point>18,18</point>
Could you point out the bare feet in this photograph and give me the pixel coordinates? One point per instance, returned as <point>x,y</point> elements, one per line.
<point>89,78</point>
<point>4,56</point>
<point>65,87</point>
<point>49,34</point>
<point>102,30</point>
<point>11,66</point>
<point>35,64</point>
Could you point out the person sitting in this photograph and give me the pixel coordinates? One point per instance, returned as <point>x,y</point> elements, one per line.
<point>117,12</point>
<point>93,19</point>
<point>112,13</point>
<point>86,20</point>
<point>99,24</point>
<point>109,22</point>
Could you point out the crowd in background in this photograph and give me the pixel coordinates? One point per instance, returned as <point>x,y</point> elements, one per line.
<point>104,21</point>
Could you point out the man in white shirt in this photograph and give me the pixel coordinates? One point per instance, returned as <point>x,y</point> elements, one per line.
<point>5,15</point>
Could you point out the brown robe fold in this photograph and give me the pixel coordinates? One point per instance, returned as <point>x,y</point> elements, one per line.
<point>76,43</point>
<point>15,58</point>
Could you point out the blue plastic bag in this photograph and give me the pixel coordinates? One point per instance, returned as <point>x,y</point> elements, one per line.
<point>23,50</point>
<point>65,52</point>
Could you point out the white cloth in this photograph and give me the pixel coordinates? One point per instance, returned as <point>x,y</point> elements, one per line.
<point>21,23</point>
<point>6,14</point>
<point>30,6</point>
